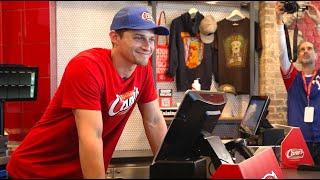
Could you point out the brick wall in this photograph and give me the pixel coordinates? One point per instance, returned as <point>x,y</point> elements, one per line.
<point>271,82</point>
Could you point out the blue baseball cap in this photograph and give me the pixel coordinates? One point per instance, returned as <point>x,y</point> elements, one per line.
<point>136,17</point>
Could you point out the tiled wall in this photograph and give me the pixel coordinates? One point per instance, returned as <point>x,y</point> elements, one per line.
<point>25,39</point>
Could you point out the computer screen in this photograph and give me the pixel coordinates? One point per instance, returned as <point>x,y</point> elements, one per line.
<point>199,111</point>
<point>256,113</point>
<point>18,82</point>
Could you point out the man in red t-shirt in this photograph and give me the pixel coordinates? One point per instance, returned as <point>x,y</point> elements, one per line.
<point>79,130</point>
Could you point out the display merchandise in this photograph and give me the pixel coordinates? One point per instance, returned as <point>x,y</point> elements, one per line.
<point>233,46</point>
<point>162,55</point>
<point>207,27</point>
<point>189,57</point>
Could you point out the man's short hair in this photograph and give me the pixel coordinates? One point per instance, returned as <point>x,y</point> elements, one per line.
<point>121,31</point>
<point>305,41</point>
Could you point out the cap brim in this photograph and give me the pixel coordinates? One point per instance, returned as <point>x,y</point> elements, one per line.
<point>207,39</point>
<point>161,30</point>
<point>158,30</point>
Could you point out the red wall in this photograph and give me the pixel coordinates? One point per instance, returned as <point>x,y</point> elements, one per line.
<point>25,39</point>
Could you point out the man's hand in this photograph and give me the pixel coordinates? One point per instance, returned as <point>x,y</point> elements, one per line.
<point>279,12</point>
<point>313,13</point>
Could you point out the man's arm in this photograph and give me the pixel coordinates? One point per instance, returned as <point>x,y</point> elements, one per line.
<point>284,59</point>
<point>89,127</point>
<point>314,14</point>
<point>154,124</point>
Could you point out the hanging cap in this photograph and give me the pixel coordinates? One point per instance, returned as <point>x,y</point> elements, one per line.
<point>227,88</point>
<point>208,26</point>
<point>136,17</point>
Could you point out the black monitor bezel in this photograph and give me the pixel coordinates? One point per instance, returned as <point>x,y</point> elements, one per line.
<point>177,121</point>
<point>24,69</point>
<point>261,117</point>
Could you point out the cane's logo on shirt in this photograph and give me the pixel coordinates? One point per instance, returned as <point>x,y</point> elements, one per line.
<point>123,102</point>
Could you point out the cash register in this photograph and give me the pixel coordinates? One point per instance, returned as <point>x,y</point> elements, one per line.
<point>187,140</point>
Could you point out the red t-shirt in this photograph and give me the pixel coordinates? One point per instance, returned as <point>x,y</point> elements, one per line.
<point>90,81</point>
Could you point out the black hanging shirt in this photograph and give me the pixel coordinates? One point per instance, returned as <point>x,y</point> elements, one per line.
<point>233,45</point>
<point>189,58</point>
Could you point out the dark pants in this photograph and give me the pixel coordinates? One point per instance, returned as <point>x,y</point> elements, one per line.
<point>314,148</point>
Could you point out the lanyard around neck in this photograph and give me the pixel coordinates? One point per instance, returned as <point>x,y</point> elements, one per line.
<point>307,88</point>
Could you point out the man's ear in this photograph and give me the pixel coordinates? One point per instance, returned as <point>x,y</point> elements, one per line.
<point>114,37</point>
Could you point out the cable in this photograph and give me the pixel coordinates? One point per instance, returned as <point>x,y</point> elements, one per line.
<point>209,168</point>
<point>224,161</point>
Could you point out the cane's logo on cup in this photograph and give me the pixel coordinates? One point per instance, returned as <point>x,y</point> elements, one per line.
<point>147,16</point>
<point>295,153</point>
<point>271,175</point>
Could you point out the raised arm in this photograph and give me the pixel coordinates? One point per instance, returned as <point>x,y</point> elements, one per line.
<point>89,127</point>
<point>314,14</point>
<point>154,124</point>
<point>284,59</point>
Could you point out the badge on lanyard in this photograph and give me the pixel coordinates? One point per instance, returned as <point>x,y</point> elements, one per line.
<point>308,114</point>
<point>309,110</point>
